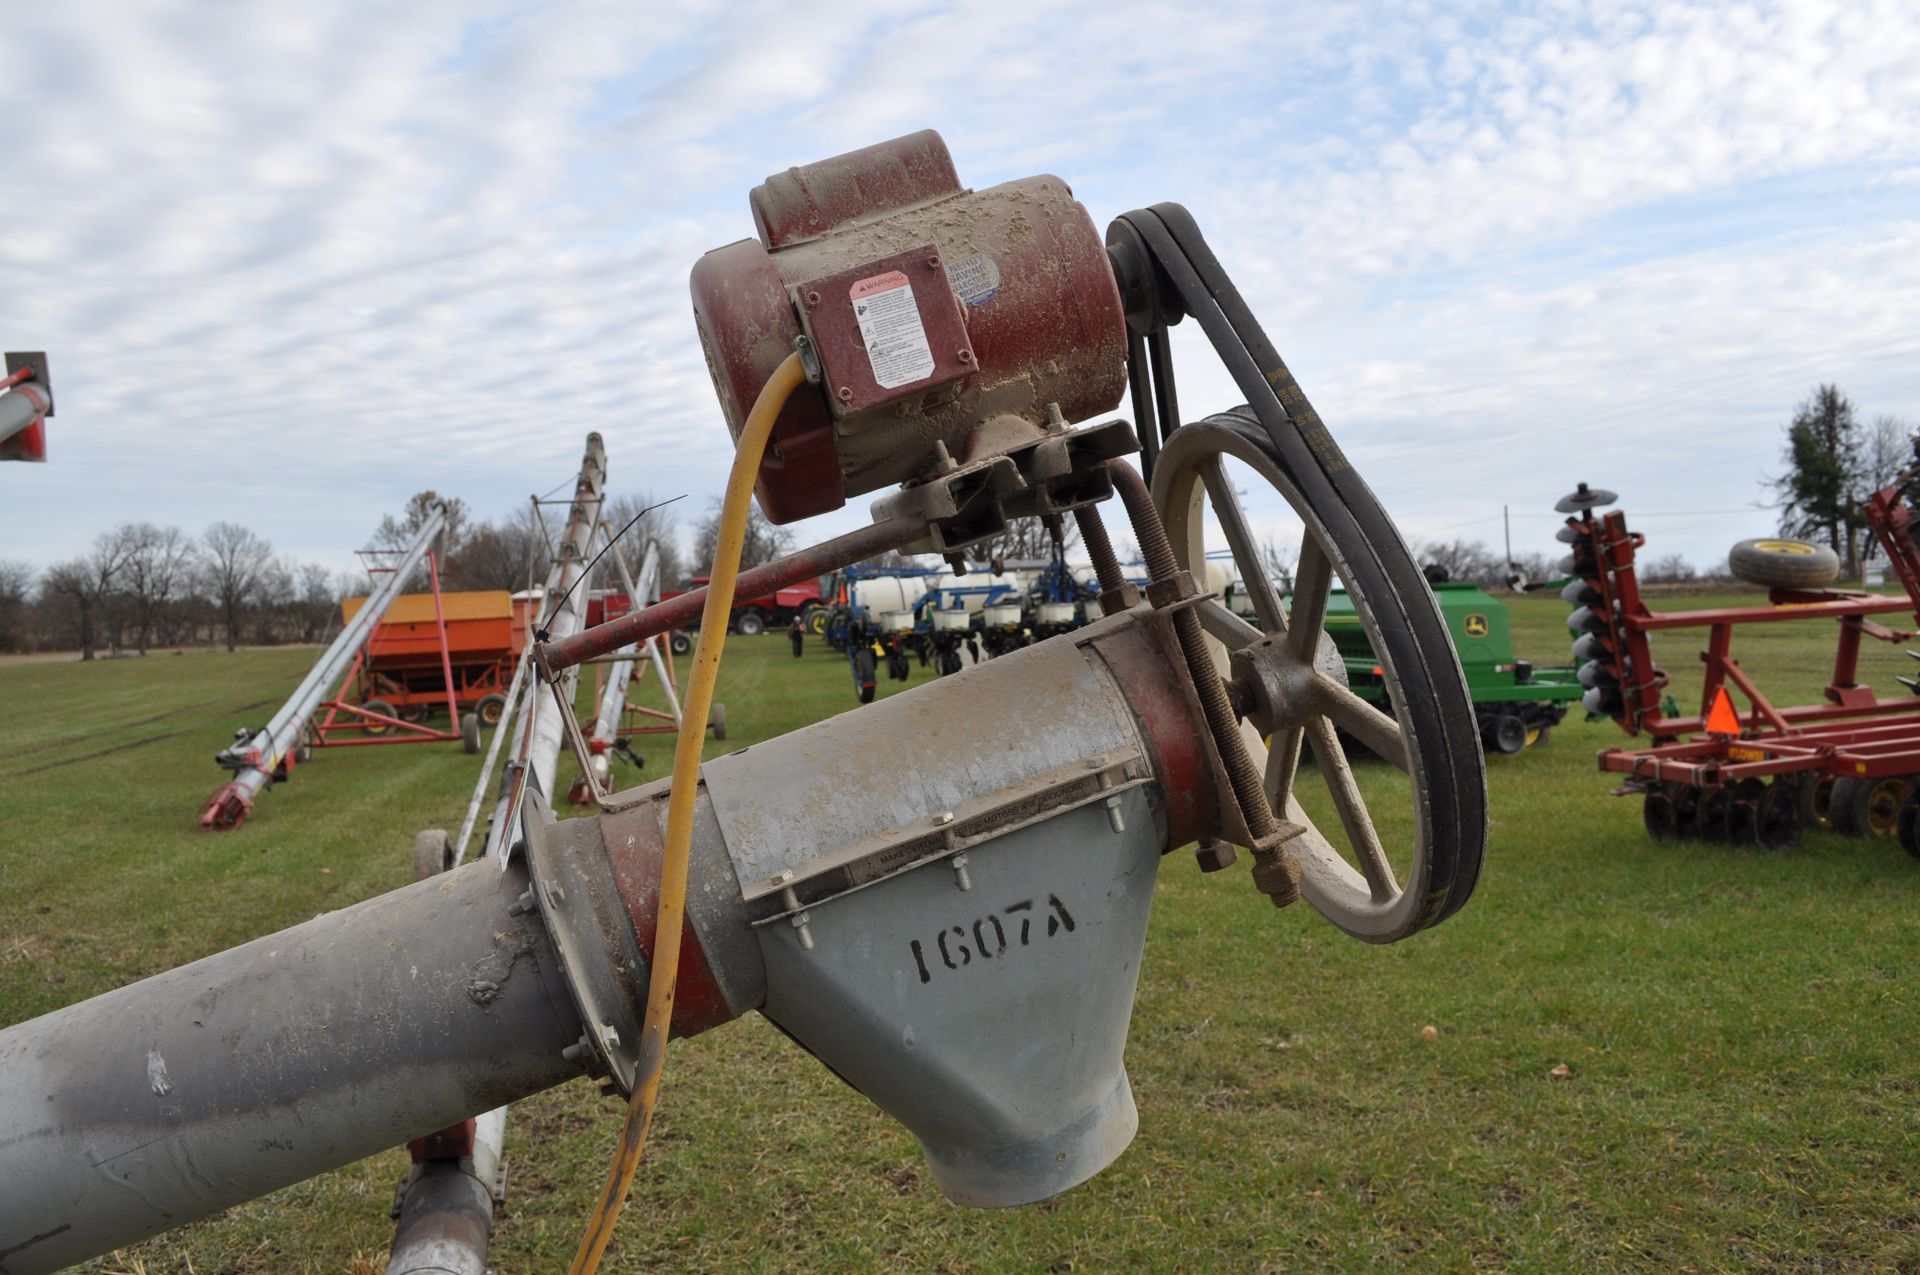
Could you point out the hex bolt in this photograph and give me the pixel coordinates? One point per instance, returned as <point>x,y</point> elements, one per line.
<point>960,877</point>
<point>933,262</point>
<point>944,817</point>
<point>522,905</point>
<point>813,299</point>
<point>965,356</point>
<point>579,1049</point>
<point>555,895</point>
<point>1115,820</point>
<point>846,395</point>
<point>1056,419</point>
<point>609,1037</point>
<point>800,919</point>
<point>1213,854</point>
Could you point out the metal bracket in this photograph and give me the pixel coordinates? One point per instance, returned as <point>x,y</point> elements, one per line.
<point>566,902</point>
<point>948,834</point>
<point>1047,476</point>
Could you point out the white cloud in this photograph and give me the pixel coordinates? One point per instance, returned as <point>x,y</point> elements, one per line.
<point>294,264</point>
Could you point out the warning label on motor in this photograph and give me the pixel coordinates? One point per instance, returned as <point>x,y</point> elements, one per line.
<point>890,325</point>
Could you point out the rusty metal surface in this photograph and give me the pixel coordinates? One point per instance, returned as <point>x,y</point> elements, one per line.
<point>1276,869</point>
<point>1042,314</point>
<point>812,199</point>
<point>1144,658</point>
<point>180,1095</point>
<point>685,609</point>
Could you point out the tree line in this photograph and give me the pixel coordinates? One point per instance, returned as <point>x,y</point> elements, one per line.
<point>142,586</point>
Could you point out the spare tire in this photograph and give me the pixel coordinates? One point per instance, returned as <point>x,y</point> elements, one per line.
<point>1784,564</point>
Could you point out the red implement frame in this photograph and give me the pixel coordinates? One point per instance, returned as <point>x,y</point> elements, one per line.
<point>1853,733</point>
<point>636,719</point>
<point>355,730</point>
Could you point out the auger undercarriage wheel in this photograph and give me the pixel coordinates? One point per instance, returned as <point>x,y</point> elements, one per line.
<point>1432,790</point>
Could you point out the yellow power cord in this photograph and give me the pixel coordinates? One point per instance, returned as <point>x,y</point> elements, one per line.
<point>786,378</point>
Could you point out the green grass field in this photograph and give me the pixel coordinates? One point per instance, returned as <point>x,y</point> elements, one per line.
<point>1742,1028</point>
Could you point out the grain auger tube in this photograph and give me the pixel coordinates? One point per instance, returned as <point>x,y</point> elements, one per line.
<point>942,895</point>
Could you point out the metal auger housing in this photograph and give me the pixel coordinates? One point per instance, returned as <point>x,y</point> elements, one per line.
<point>993,877</point>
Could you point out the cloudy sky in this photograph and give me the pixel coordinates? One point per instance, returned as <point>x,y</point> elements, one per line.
<point>295,262</point>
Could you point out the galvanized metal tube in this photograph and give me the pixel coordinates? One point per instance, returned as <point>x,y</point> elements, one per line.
<point>229,805</point>
<point>684,608</point>
<point>445,1224</point>
<point>538,748</point>
<point>613,700</point>
<point>515,689</point>
<point>211,1084</point>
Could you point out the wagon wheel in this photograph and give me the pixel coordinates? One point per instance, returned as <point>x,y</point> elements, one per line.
<point>381,707</point>
<point>1433,787</point>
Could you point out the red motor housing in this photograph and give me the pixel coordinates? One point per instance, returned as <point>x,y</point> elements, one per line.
<point>933,308</point>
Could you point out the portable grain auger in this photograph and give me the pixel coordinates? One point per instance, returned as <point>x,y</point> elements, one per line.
<point>942,895</point>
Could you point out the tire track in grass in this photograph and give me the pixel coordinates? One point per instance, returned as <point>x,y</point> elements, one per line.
<point>130,744</point>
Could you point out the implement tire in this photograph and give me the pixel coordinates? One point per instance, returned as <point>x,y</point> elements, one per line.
<point>1784,564</point>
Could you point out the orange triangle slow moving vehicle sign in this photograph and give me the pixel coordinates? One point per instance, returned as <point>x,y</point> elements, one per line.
<point>1721,719</point>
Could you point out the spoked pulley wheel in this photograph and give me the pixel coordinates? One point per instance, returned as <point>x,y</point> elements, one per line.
<point>1288,667</point>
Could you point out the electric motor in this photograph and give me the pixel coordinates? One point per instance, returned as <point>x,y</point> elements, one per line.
<point>943,318</point>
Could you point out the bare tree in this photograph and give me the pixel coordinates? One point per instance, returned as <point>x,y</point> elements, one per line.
<point>763,543</point>
<point>157,564</point>
<point>1460,560</point>
<point>86,583</point>
<point>1671,569</point>
<point>1279,558</point>
<point>233,560</point>
<point>656,523</point>
<point>16,580</point>
<point>1888,452</point>
<point>1024,540</point>
<point>274,597</point>
<point>317,601</point>
<point>513,554</point>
